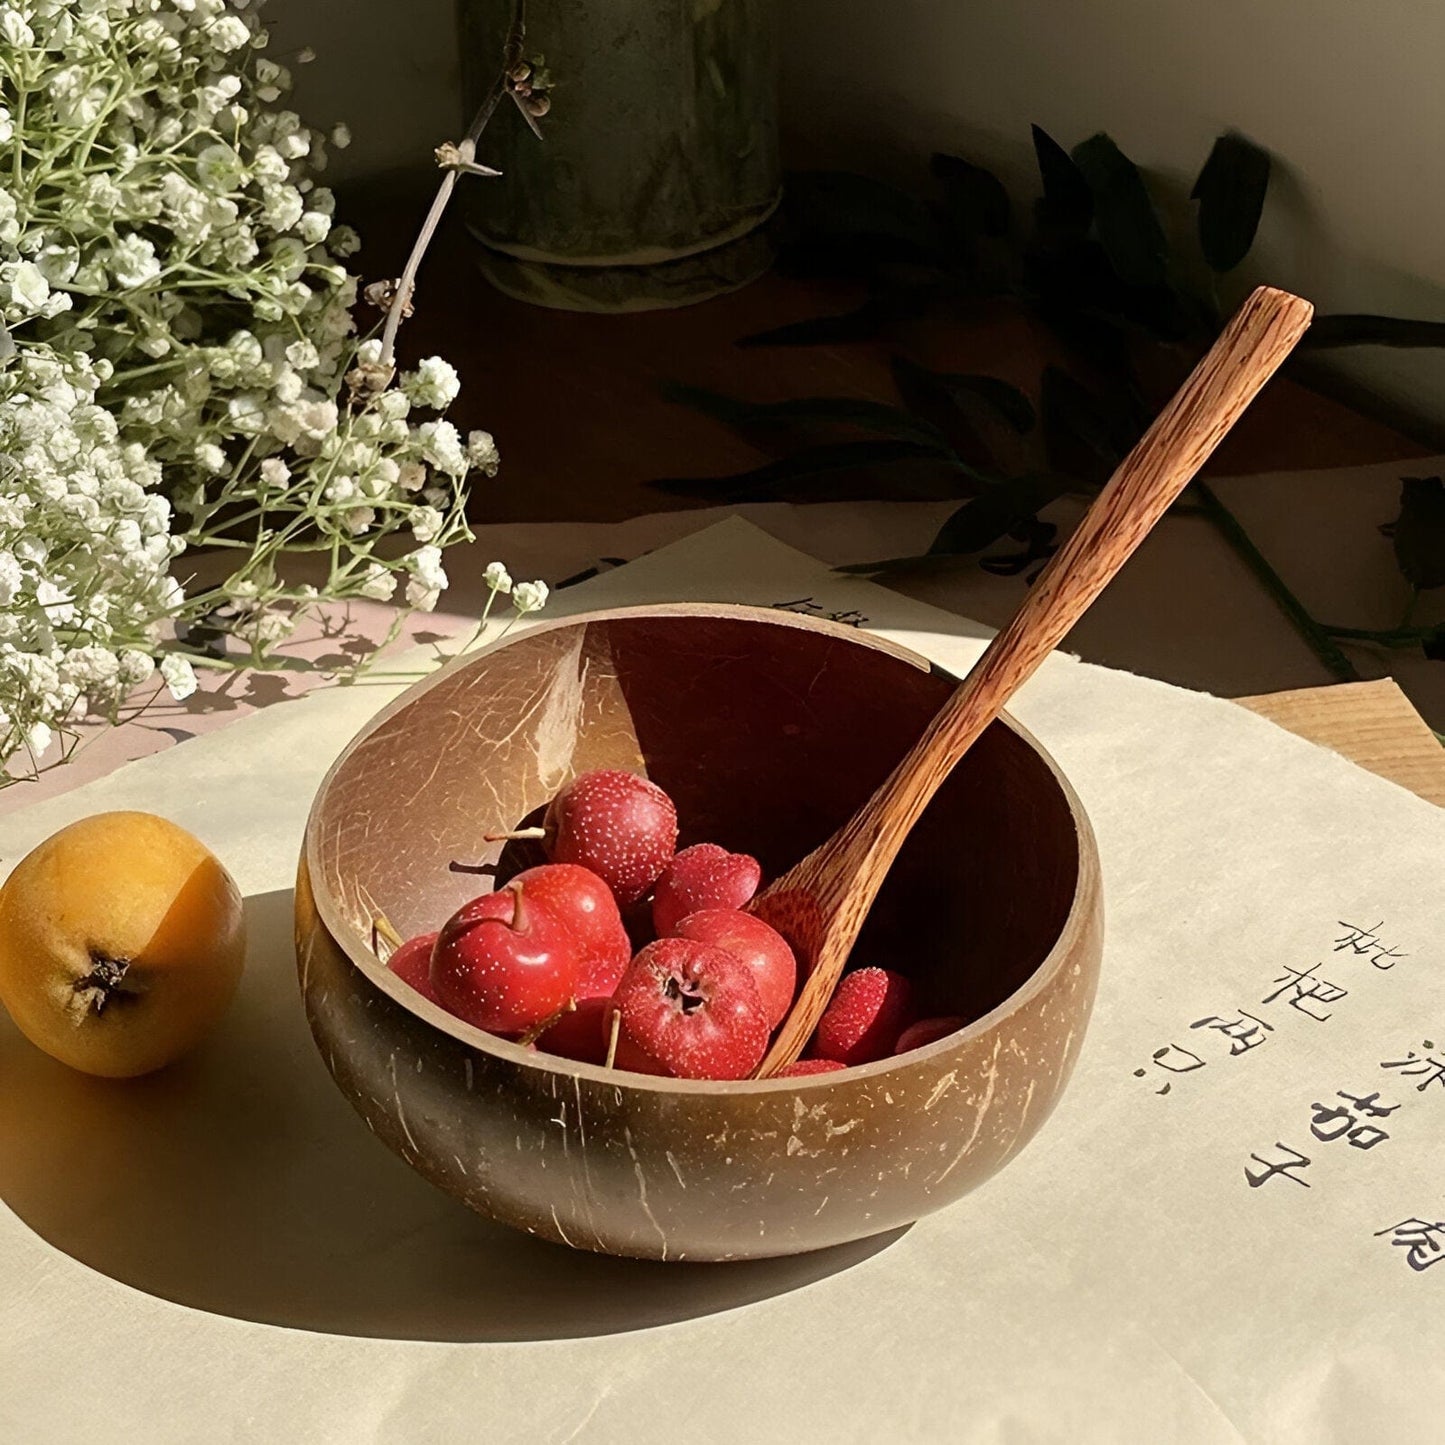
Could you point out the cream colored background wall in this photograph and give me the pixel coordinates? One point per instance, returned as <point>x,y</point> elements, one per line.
<point>388,68</point>
<point>1347,94</point>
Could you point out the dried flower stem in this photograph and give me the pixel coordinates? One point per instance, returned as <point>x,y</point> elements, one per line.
<point>382,928</point>
<point>467,152</point>
<point>612,1038</point>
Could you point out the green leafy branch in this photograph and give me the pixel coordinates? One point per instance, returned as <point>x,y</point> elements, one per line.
<point>1093,262</point>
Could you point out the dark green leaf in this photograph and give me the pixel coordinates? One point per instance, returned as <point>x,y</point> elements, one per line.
<point>1067,201</point>
<point>1230,190</point>
<point>1124,218</point>
<point>1086,435</point>
<point>839,203</point>
<point>870,416</point>
<point>1433,645</point>
<point>861,324</point>
<point>974,198</point>
<point>960,387</point>
<point>796,478</point>
<point>1373,331</point>
<point>1039,545</point>
<point>1419,533</point>
<point>1096,336</point>
<point>1007,508</point>
<point>985,519</point>
<point>925,398</point>
<point>923,562</point>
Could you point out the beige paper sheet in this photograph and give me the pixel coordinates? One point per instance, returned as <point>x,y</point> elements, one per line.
<point>224,1253</point>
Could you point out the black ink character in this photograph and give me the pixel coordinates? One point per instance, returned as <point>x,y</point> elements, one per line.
<point>1171,1058</point>
<point>1242,1036</point>
<point>1296,1161</point>
<point>1331,1121</point>
<point>1358,940</point>
<point>1306,987</point>
<point>1414,1066</point>
<point>1366,943</point>
<point>1161,1057</point>
<point>1420,1239</point>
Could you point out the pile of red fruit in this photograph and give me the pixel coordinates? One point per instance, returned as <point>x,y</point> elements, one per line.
<point>548,960</point>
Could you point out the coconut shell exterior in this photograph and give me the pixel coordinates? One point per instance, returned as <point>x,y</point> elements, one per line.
<point>768,730</point>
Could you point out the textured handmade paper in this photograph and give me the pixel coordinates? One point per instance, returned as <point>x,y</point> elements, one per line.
<point>1271,994</point>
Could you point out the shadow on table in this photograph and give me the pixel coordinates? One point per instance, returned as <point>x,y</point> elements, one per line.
<point>240,1182</point>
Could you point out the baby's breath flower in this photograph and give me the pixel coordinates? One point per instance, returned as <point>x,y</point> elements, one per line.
<point>274,472</point>
<point>378,583</point>
<point>211,457</point>
<point>132,262</point>
<point>426,523</point>
<point>23,287</point>
<point>38,737</point>
<point>482,452</point>
<point>497,578</point>
<point>136,667</point>
<point>529,596</point>
<point>428,578</point>
<point>434,384</point>
<point>441,445</point>
<point>230,32</point>
<point>303,355</point>
<point>161,193</point>
<point>179,675</point>
<point>14,29</point>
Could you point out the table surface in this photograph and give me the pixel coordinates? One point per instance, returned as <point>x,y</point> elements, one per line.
<point>1371,723</point>
<point>324,1231</point>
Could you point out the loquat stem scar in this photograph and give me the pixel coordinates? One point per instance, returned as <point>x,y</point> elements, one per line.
<point>97,988</point>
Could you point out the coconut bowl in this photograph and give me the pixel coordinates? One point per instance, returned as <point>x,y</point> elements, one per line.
<point>768,730</point>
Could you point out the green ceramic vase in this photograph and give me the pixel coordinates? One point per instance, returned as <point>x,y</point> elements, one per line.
<point>660,158</point>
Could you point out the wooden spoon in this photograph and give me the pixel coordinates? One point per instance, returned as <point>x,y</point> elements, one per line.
<point>820,903</point>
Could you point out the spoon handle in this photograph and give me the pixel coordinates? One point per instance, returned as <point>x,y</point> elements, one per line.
<point>844,875</point>
<point>1251,349</point>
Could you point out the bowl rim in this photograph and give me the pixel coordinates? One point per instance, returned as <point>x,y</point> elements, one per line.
<point>353,947</point>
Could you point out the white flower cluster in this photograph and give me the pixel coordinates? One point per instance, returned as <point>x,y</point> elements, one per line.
<point>85,551</point>
<point>169,263</point>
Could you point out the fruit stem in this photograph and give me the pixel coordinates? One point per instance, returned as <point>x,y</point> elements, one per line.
<point>381,927</point>
<point>612,1039</point>
<point>537,1030</point>
<point>519,919</point>
<point>515,834</point>
<point>457,866</point>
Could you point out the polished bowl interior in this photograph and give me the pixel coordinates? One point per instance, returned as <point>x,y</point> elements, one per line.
<point>768,730</point>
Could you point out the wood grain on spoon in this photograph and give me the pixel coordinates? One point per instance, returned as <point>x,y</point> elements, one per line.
<point>820,904</point>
